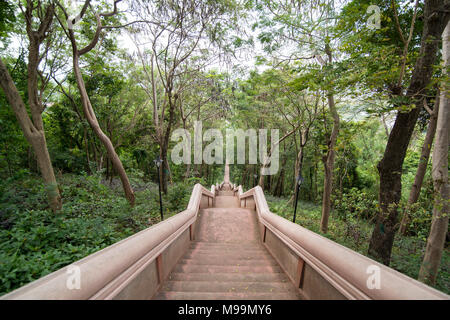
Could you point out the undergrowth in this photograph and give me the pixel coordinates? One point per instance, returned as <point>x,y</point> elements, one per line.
<point>34,241</point>
<point>354,233</point>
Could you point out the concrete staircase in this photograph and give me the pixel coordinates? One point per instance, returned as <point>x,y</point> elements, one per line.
<point>227,260</point>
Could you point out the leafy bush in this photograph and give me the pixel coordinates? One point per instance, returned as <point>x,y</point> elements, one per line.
<point>356,204</point>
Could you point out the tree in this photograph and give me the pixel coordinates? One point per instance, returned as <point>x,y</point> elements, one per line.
<point>181,34</point>
<point>390,167</point>
<point>423,163</point>
<point>439,226</point>
<point>86,102</point>
<point>33,129</point>
<point>328,158</point>
<point>307,26</point>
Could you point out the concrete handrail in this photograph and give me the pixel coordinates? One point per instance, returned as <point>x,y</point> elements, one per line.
<point>104,273</point>
<point>344,269</point>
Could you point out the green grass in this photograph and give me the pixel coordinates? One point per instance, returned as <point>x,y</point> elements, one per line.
<point>34,241</point>
<point>407,252</point>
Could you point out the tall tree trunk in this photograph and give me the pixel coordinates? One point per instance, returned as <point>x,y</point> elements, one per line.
<point>164,146</point>
<point>328,162</point>
<point>315,188</point>
<point>93,122</point>
<point>421,168</point>
<point>278,191</point>
<point>439,226</point>
<point>86,147</point>
<point>300,155</point>
<point>244,177</point>
<point>163,169</point>
<point>33,131</point>
<point>390,167</point>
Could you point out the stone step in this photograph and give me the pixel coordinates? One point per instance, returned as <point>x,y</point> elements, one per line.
<point>202,286</point>
<point>243,255</point>
<point>221,261</point>
<point>225,193</point>
<point>174,295</point>
<point>227,245</point>
<point>189,268</point>
<point>229,277</point>
<point>226,202</point>
<point>229,252</point>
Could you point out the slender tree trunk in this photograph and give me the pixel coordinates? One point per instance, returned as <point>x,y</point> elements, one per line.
<point>329,166</point>
<point>93,122</point>
<point>278,191</point>
<point>439,226</point>
<point>390,166</point>
<point>315,189</point>
<point>8,161</point>
<point>86,147</point>
<point>244,177</point>
<point>421,168</point>
<point>165,170</point>
<point>94,149</point>
<point>299,163</point>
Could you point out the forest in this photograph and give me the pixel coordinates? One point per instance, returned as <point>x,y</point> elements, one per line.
<point>93,91</point>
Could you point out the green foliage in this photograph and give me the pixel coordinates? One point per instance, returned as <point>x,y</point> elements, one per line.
<point>7,18</point>
<point>34,241</point>
<point>354,232</point>
<point>356,204</point>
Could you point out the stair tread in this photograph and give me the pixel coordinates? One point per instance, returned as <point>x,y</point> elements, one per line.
<point>227,262</point>
<point>224,244</point>
<point>226,286</point>
<point>250,277</point>
<point>174,295</point>
<point>226,269</point>
<point>252,255</point>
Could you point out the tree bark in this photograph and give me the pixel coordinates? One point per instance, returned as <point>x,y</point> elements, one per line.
<point>329,166</point>
<point>390,167</point>
<point>439,226</point>
<point>421,168</point>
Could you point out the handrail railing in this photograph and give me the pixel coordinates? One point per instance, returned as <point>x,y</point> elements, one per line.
<point>348,272</point>
<point>114,272</point>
